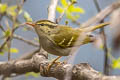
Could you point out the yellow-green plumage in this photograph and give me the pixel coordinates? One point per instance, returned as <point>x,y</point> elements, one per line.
<point>59,39</point>
<point>66,36</point>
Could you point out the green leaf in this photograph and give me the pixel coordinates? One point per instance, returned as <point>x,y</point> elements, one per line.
<point>27,17</point>
<point>11,10</point>
<point>2,53</point>
<point>77,16</point>
<point>70,16</point>
<point>101,46</point>
<point>32,74</point>
<point>71,11</point>
<point>36,39</point>
<point>73,0</point>
<point>14,50</point>
<point>77,9</point>
<point>3,8</point>
<point>24,29</point>
<point>20,11</point>
<point>7,33</point>
<point>116,63</point>
<point>64,3</point>
<point>16,24</point>
<point>59,9</point>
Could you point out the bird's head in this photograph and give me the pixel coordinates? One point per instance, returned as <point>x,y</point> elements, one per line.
<point>42,26</point>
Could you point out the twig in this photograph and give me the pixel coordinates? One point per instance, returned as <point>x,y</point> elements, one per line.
<point>13,26</point>
<point>62,14</point>
<point>29,55</point>
<point>1,27</point>
<point>101,15</point>
<point>26,41</point>
<point>102,32</point>
<point>4,43</point>
<point>52,10</point>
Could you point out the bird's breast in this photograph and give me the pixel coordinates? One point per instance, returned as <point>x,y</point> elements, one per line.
<point>51,48</point>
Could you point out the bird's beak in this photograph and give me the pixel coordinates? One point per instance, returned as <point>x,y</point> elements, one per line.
<point>30,23</point>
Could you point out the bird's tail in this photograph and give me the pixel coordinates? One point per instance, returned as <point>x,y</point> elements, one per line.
<point>92,28</point>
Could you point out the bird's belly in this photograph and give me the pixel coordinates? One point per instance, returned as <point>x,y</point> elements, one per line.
<point>54,49</point>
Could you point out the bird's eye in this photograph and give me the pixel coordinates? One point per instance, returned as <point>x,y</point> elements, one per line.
<point>48,31</point>
<point>41,24</point>
<point>91,35</point>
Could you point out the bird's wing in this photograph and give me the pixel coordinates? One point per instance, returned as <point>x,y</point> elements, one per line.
<point>65,37</point>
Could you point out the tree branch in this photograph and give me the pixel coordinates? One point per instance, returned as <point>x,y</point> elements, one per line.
<point>52,10</point>
<point>26,41</point>
<point>105,49</point>
<point>101,15</point>
<point>39,63</point>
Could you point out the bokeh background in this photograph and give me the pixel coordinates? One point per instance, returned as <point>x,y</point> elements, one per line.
<point>38,10</point>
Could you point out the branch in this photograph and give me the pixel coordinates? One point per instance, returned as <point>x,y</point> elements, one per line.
<point>104,13</point>
<point>103,36</point>
<point>52,10</point>
<point>26,41</point>
<point>28,55</point>
<point>19,7</point>
<point>39,63</point>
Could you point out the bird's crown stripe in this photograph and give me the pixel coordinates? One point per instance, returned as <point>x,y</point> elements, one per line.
<point>45,21</point>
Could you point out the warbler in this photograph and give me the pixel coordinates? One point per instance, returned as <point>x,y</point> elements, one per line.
<point>59,39</point>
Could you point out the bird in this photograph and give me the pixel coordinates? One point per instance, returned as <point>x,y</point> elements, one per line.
<point>59,39</point>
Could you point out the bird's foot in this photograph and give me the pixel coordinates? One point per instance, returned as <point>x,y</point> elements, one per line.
<point>53,62</point>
